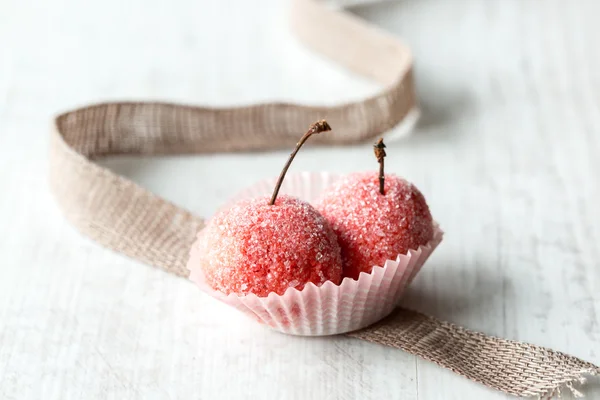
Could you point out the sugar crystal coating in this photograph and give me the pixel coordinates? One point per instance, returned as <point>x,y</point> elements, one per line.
<point>371,227</point>
<point>254,247</point>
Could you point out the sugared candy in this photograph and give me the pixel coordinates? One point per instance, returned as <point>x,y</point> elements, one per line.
<point>255,247</point>
<point>372,227</point>
<point>267,245</point>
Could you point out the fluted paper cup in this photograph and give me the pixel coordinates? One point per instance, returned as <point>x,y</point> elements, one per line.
<point>328,309</point>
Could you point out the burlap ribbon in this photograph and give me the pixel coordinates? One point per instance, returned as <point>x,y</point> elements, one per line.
<point>127,218</point>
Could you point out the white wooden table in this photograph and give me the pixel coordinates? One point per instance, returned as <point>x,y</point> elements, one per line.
<point>507,153</point>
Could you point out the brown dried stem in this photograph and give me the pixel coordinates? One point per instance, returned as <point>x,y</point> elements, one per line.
<point>379,150</point>
<point>317,127</point>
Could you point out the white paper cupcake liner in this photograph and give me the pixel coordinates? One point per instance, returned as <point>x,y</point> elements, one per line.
<point>328,309</point>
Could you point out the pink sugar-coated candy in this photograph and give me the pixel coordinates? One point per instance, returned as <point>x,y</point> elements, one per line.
<point>371,227</point>
<point>254,247</point>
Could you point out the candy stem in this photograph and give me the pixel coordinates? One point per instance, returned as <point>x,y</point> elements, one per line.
<point>379,149</point>
<point>317,127</point>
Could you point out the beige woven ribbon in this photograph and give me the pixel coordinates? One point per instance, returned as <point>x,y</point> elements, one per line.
<point>127,218</point>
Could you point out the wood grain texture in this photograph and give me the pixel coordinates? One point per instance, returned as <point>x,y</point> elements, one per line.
<point>506,153</point>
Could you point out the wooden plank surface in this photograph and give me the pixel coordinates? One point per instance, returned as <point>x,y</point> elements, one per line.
<point>507,153</point>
